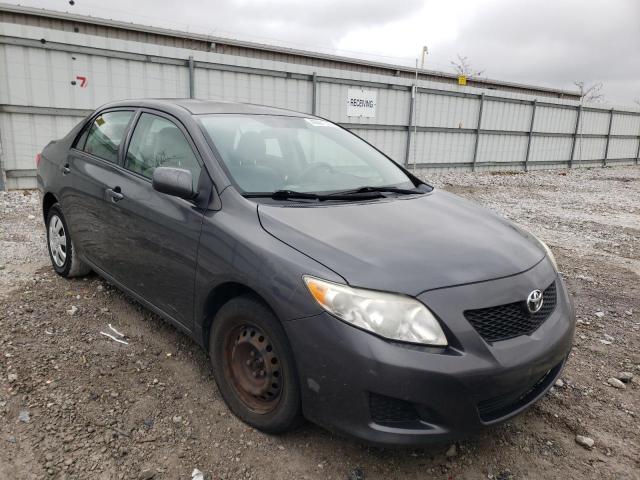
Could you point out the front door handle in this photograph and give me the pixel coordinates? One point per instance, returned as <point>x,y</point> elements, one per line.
<point>115,194</point>
<point>66,169</point>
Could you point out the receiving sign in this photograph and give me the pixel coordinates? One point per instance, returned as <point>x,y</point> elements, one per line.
<point>361,103</point>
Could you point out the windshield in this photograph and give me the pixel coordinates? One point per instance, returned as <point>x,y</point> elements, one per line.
<point>269,153</point>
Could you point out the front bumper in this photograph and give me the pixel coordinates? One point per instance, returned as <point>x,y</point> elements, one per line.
<point>389,393</point>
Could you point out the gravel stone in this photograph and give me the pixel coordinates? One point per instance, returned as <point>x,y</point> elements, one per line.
<point>586,442</point>
<point>147,474</point>
<point>452,451</point>
<point>356,474</point>
<point>614,382</point>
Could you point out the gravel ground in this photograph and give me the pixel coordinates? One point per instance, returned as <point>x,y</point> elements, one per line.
<point>74,404</point>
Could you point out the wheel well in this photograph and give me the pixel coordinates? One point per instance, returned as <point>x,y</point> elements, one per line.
<point>217,298</point>
<point>47,202</point>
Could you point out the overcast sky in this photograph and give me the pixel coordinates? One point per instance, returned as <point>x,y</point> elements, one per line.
<point>542,42</point>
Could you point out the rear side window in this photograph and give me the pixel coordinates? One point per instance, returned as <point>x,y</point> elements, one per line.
<point>104,136</point>
<point>158,142</point>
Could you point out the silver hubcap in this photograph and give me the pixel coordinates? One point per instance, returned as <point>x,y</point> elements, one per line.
<point>57,241</point>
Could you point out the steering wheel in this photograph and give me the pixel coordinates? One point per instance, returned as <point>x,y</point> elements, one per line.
<point>313,169</point>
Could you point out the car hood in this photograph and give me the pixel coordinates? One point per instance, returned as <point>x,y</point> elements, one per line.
<point>405,244</point>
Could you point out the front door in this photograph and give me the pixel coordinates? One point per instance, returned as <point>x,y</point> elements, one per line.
<point>157,234</point>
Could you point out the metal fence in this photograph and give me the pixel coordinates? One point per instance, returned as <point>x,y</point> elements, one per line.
<point>50,79</point>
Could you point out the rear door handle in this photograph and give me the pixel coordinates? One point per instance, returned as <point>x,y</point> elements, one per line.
<point>66,169</point>
<point>115,194</point>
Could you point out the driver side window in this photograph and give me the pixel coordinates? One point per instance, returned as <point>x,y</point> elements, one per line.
<point>158,142</point>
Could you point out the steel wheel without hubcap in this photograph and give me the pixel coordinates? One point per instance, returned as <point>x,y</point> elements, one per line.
<point>252,368</point>
<point>57,241</point>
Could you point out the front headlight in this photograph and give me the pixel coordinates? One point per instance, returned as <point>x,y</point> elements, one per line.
<point>389,315</point>
<point>549,253</point>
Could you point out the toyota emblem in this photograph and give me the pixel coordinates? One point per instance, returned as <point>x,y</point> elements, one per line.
<point>534,301</point>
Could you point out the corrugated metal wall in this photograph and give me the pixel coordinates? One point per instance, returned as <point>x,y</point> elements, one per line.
<point>41,98</point>
<point>69,22</point>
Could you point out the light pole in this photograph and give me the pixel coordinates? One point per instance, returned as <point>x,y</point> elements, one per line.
<point>425,52</point>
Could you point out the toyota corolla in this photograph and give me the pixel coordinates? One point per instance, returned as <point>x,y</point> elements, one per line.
<point>324,280</point>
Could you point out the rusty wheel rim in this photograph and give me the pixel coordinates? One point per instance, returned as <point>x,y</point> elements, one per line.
<point>252,368</point>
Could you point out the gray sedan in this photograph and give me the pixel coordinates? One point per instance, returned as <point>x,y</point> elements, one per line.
<point>324,280</point>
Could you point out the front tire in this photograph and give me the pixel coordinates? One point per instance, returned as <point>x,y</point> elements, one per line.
<point>61,252</point>
<point>254,367</point>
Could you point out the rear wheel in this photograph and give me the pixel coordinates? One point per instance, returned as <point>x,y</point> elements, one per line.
<point>253,365</point>
<point>63,257</point>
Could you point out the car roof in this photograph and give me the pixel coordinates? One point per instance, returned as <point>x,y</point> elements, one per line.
<point>200,107</point>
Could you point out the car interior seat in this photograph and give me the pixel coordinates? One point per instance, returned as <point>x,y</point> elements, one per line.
<point>250,167</point>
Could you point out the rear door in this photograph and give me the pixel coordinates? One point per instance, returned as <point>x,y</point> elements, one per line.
<point>91,168</point>
<point>157,235</point>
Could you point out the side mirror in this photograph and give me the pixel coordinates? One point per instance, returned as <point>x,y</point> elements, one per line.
<point>173,181</point>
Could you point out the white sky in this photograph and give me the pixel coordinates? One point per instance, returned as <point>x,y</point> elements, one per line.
<point>542,42</point>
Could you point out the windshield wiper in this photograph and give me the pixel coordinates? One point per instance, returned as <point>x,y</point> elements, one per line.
<point>361,190</point>
<point>292,194</point>
<point>337,196</point>
<point>286,194</point>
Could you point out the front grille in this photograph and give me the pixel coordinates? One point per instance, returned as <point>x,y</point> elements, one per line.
<point>502,405</point>
<point>386,410</point>
<point>512,319</point>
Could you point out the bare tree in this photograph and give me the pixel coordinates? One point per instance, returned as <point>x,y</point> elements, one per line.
<point>463,67</point>
<point>590,94</point>
<point>637,101</point>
